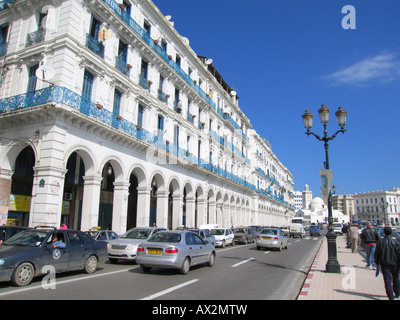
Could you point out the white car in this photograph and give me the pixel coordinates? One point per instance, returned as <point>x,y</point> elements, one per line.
<point>223,236</point>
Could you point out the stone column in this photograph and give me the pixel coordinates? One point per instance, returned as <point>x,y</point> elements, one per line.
<point>143,206</point>
<point>90,201</point>
<point>120,207</point>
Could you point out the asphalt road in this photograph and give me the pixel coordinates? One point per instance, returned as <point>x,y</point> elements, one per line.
<point>240,273</point>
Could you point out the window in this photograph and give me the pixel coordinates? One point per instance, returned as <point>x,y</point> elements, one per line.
<point>143,69</point>
<point>176,136</point>
<point>117,102</point>
<point>32,78</point>
<point>147,27</point>
<point>140,115</point>
<point>75,239</point>
<point>95,28</point>
<point>160,124</point>
<point>87,85</point>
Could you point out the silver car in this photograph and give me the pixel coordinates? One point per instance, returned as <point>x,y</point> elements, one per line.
<point>174,249</point>
<point>125,247</point>
<point>272,238</point>
<point>204,234</point>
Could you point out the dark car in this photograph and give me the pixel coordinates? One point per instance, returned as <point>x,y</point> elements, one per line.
<point>23,256</point>
<point>6,232</point>
<point>244,235</point>
<point>106,235</point>
<point>315,230</point>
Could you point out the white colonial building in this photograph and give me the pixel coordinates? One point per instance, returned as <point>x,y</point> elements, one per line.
<point>378,207</point>
<point>108,118</point>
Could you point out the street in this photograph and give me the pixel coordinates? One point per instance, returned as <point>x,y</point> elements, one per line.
<point>240,273</point>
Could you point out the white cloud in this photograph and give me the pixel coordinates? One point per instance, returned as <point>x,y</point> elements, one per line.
<point>382,68</point>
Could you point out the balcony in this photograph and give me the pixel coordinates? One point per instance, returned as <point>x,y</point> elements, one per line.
<point>95,45</point>
<point>143,82</point>
<point>35,37</point>
<point>122,66</point>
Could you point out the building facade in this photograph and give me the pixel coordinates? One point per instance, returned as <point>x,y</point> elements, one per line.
<point>378,207</point>
<point>109,118</point>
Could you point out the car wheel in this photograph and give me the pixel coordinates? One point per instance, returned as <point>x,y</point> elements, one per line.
<point>23,275</point>
<point>280,247</point>
<point>211,262</point>
<point>90,265</point>
<point>223,244</point>
<point>145,269</point>
<point>233,243</point>
<point>185,266</point>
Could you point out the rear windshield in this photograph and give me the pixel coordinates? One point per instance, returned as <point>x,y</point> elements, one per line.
<point>270,231</point>
<point>217,232</point>
<point>137,234</point>
<point>165,237</point>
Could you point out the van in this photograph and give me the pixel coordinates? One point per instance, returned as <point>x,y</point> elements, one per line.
<point>297,230</point>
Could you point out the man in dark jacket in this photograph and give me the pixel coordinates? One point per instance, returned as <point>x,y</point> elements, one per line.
<point>370,238</point>
<point>387,256</point>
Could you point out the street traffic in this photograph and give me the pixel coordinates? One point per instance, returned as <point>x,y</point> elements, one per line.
<point>239,272</point>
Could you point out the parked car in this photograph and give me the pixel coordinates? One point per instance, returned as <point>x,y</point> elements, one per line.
<point>125,247</point>
<point>223,236</point>
<point>6,232</point>
<point>315,230</point>
<point>205,234</point>
<point>244,235</point>
<point>23,256</point>
<point>175,249</point>
<point>105,235</point>
<point>272,238</point>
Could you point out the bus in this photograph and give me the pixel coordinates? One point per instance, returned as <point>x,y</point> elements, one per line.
<point>303,221</point>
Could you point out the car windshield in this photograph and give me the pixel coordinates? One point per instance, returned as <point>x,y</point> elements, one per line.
<point>270,231</point>
<point>137,234</point>
<point>30,238</point>
<point>165,237</point>
<point>217,232</point>
<point>314,227</point>
<point>239,230</point>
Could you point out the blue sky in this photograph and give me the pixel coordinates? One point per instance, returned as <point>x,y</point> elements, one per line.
<point>285,56</point>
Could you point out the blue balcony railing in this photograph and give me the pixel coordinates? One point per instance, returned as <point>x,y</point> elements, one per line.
<point>56,94</point>
<point>94,45</point>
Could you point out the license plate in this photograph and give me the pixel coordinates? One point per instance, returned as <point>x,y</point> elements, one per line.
<point>266,238</point>
<point>154,251</point>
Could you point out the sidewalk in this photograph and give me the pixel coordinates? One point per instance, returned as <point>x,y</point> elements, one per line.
<point>355,282</point>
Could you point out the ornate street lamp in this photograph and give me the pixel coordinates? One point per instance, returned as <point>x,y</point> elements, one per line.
<point>332,266</point>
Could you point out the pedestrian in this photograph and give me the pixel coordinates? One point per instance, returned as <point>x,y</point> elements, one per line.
<point>370,238</point>
<point>345,231</point>
<point>353,231</point>
<point>63,226</point>
<point>387,258</point>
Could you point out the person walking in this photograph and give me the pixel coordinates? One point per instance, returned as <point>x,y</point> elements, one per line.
<point>354,238</point>
<point>370,238</point>
<point>387,257</point>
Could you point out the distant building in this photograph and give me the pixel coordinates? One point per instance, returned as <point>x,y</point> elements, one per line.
<point>378,207</point>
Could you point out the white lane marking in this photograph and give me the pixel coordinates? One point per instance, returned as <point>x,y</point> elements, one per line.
<point>161,293</point>
<point>267,252</point>
<point>240,263</point>
<point>19,290</point>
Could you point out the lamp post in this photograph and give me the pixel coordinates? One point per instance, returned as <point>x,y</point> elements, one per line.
<point>384,205</point>
<point>332,266</point>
